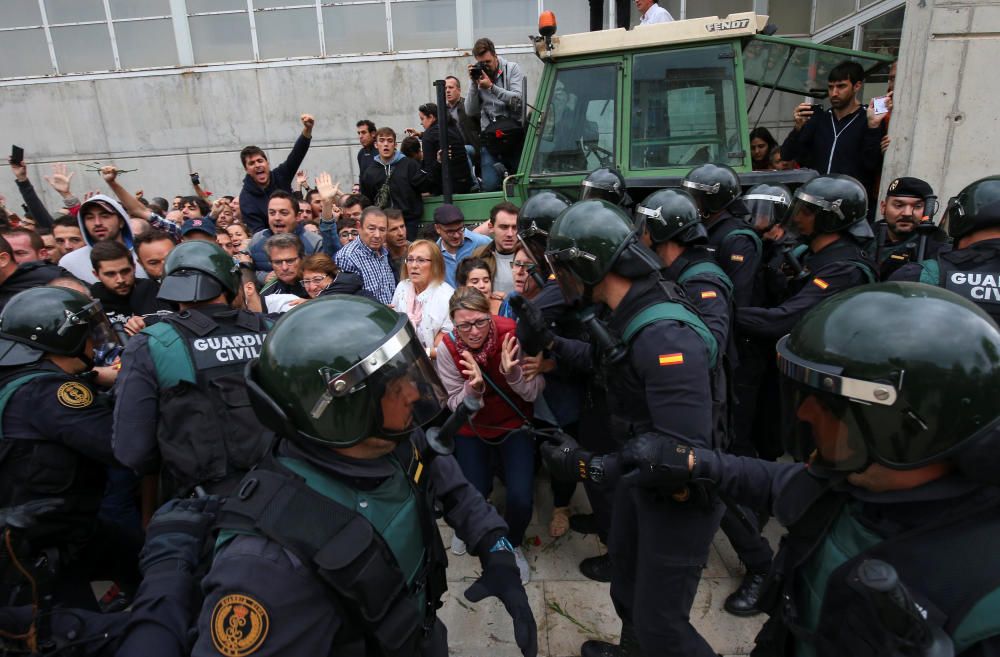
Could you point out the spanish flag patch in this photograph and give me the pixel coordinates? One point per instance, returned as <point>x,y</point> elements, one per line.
<point>672,359</point>
<point>708,294</point>
<point>820,283</point>
<point>736,257</point>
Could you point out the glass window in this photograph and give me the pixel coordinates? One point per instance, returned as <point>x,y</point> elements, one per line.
<point>139,8</point>
<point>261,4</point>
<point>83,48</point>
<point>845,40</point>
<point>19,13</point>
<point>882,35</point>
<point>578,128</point>
<point>32,54</point>
<point>73,11</point>
<point>287,33</point>
<point>791,16</point>
<point>142,44</point>
<point>684,109</point>
<point>505,22</point>
<point>355,28</point>
<point>198,6</point>
<point>222,38</point>
<point>418,25</point>
<point>570,19</point>
<point>720,8</point>
<point>828,11</point>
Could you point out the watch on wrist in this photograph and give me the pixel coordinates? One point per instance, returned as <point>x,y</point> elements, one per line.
<point>595,469</point>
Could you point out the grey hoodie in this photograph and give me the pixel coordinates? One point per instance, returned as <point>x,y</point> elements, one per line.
<point>78,262</point>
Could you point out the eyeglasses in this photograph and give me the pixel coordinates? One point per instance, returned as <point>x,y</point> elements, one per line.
<point>349,233</point>
<point>522,264</point>
<point>315,280</point>
<point>416,260</point>
<point>465,327</point>
<point>287,262</point>
<point>453,231</point>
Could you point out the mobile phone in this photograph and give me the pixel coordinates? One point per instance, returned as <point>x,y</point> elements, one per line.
<point>16,155</point>
<point>881,105</point>
<point>816,108</point>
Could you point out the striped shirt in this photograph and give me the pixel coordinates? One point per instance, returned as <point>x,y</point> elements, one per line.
<point>373,268</point>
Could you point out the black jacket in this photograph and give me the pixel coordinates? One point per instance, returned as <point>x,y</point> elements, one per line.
<point>430,144</point>
<point>856,152</point>
<point>406,181</point>
<point>365,158</point>
<point>141,301</point>
<point>253,199</point>
<point>28,275</point>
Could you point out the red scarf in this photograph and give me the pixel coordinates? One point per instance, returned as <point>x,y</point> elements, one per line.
<point>482,354</point>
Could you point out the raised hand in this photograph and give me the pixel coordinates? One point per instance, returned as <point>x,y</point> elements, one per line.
<point>470,370</point>
<point>60,180</point>
<point>328,190</point>
<point>509,353</point>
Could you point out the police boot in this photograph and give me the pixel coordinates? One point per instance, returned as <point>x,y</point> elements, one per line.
<point>628,646</point>
<point>743,601</point>
<point>597,568</point>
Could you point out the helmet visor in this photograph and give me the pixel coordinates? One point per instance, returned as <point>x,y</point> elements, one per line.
<point>570,284</point>
<point>589,190</point>
<point>107,345</point>
<point>766,210</point>
<point>403,388</point>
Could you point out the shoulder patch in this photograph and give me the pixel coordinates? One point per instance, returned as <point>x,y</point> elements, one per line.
<point>74,395</point>
<point>671,359</point>
<point>709,294</point>
<point>736,257</point>
<point>239,625</point>
<point>820,283</point>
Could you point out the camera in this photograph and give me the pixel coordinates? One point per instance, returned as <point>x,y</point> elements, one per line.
<point>195,179</point>
<point>477,71</point>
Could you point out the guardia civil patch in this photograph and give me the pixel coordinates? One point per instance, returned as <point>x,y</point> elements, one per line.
<point>74,395</point>
<point>239,625</point>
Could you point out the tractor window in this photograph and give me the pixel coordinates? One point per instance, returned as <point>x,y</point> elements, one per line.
<point>577,133</point>
<point>684,109</point>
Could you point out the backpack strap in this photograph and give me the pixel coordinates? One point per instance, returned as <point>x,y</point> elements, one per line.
<point>706,267</point>
<point>930,272</point>
<point>678,313</point>
<point>865,270</point>
<point>747,232</point>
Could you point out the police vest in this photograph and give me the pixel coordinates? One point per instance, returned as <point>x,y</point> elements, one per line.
<point>975,278</point>
<point>844,250</point>
<point>948,566</point>
<point>378,550</point>
<point>207,431</point>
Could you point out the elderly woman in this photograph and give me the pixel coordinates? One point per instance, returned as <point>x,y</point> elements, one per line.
<point>476,272</point>
<point>480,358</point>
<point>423,295</point>
<point>320,276</point>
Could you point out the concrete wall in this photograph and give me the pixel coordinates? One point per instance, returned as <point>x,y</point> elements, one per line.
<point>945,120</point>
<point>169,125</point>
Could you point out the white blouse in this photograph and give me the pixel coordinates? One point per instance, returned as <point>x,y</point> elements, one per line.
<point>435,308</point>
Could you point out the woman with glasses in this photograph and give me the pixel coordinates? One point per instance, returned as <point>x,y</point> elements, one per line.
<point>523,268</point>
<point>476,272</point>
<point>423,295</point>
<point>481,358</point>
<point>320,277</point>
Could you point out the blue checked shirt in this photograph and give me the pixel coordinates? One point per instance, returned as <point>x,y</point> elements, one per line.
<point>373,268</point>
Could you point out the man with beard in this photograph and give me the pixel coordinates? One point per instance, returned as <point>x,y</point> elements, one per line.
<point>121,294</point>
<point>261,181</point>
<point>896,239</point>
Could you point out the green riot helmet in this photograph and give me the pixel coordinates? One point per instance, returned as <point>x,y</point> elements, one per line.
<point>900,374</point>
<point>607,184</point>
<point>713,187</point>
<point>535,220</point>
<point>977,206</point>
<point>671,214</point>
<point>55,320</point>
<point>767,206</point>
<point>590,239</point>
<point>829,204</point>
<point>199,271</point>
<point>343,368</point>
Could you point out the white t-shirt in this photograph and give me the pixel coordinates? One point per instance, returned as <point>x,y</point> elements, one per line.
<point>434,314</point>
<point>504,275</point>
<point>655,14</point>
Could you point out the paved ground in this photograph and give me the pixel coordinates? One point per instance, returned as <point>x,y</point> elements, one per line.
<point>570,608</point>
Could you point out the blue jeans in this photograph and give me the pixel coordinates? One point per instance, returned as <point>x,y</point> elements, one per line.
<point>491,179</point>
<point>516,457</point>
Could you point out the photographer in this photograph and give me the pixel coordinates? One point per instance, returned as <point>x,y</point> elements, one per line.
<point>496,99</point>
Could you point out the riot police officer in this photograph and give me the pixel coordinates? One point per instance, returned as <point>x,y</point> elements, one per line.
<point>906,223</point>
<point>892,518</point>
<point>607,184</point>
<point>828,216</point>
<point>55,442</point>
<point>658,377</point>
<point>738,249</point>
<point>972,269</point>
<point>331,545</point>
<point>186,372</point>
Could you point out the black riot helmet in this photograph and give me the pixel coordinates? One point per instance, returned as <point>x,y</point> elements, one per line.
<point>590,239</point>
<point>830,204</point>
<point>975,207</point>
<point>199,271</point>
<point>713,187</point>
<point>607,184</point>
<point>767,206</point>
<point>671,214</point>
<point>855,397</point>
<point>535,220</point>
<point>54,320</point>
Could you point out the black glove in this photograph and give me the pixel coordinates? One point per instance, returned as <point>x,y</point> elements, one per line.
<point>533,332</point>
<point>656,461</point>
<point>565,459</point>
<point>177,535</point>
<point>502,579</point>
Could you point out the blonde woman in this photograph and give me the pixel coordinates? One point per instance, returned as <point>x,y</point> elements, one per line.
<point>423,295</point>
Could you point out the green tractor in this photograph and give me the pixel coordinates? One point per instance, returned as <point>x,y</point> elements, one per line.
<point>656,101</point>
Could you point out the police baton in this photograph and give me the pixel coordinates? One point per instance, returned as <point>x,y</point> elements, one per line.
<point>926,226</point>
<point>442,439</point>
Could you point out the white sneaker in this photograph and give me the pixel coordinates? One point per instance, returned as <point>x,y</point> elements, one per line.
<point>457,546</point>
<point>522,565</point>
